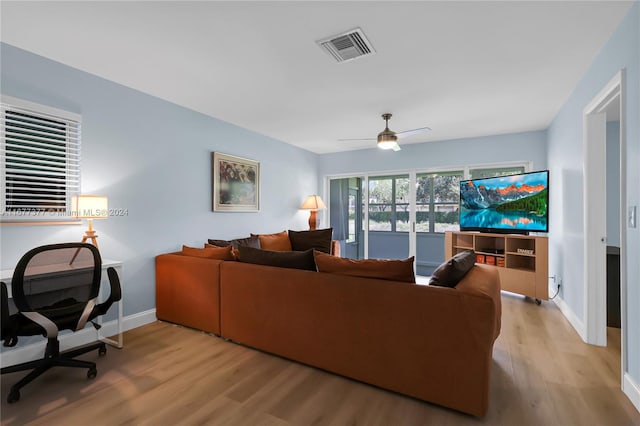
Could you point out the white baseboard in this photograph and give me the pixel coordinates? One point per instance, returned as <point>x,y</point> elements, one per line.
<point>632,390</point>
<point>70,340</point>
<point>138,320</point>
<point>573,319</point>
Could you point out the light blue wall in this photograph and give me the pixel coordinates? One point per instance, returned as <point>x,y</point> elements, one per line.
<point>613,183</point>
<point>565,160</point>
<point>152,158</point>
<point>527,146</point>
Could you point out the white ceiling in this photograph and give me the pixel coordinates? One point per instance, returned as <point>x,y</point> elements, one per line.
<point>462,68</point>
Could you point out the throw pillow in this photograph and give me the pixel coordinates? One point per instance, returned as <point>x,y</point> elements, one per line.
<point>234,252</point>
<point>219,253</point>
<point>252,241</point>
<point>275,242</point>
<point>393,270</point>
<point>453,270</point>
<point>319,239</point>
<point>281,259</point>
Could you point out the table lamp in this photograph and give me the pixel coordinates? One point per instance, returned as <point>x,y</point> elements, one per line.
<point>313,203</point>
<point>90,207</point>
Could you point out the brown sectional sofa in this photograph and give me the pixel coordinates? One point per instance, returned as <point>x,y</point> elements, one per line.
<point>188,291</point>
<point>428,342</point>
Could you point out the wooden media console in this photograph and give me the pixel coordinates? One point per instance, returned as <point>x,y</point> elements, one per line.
<point>522,261</point>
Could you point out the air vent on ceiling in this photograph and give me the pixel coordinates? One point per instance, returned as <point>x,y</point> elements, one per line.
<point>346,46</point>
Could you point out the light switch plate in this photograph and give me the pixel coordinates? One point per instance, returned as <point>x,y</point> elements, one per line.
<point>632,217</point>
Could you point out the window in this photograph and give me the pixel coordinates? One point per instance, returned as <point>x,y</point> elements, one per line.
<point>40,161</point>
<point>389,203</point>
<point>437,199</point>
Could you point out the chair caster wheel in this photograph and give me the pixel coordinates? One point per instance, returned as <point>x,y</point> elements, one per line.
<point>92,373</point>
<point>538,302</point>
<point>14,396</point>
<point>102,351</point>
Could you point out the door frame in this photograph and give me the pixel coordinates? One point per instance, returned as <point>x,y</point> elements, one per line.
<point>594,146</point>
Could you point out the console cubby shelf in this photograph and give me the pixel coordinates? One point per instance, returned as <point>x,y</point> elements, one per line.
<point>522,261</point>
<point>512,253</point>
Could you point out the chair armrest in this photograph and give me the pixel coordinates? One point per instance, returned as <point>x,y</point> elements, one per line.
<point>9,334</point>
<point>114,295</point>
<point>114,283</point>
<point>5,307</point>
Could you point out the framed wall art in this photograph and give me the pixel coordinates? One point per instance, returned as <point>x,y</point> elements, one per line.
<point>235,183</point>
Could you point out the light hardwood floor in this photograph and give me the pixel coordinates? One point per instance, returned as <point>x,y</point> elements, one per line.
<point>169,375</point>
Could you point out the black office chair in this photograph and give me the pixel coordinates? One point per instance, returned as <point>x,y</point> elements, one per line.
<point>55,287</point>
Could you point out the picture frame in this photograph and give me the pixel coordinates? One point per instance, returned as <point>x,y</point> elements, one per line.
<point>235,183</point>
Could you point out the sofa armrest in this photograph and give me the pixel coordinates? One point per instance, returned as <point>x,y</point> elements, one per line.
<point>188,291</point>
<point>484,281</point>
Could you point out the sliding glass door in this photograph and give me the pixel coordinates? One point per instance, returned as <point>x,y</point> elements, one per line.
<point>388,222</point>
<point>370,216</point>
<point>394,216</point>
<point>437,198</point>
<point>346,213</point>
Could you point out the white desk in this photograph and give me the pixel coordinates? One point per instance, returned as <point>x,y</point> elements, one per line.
<point>6,276</point>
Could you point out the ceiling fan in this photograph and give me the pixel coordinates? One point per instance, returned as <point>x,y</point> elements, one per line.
<point>388,139</point>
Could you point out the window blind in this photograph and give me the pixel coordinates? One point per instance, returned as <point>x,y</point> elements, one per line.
<point>40,160</point>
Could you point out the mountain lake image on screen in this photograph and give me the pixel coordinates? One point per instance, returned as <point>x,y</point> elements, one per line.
<point>511,204</point>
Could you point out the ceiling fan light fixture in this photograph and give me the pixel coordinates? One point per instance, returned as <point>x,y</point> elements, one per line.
<point>387,139</point>
<point>386,144</point>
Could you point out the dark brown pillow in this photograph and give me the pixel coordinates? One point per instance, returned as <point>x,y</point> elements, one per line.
<point>281,259</point>
<point>453,270</point>
<point>252,241</point>
<point>319,239</point>
<point>393,270</point>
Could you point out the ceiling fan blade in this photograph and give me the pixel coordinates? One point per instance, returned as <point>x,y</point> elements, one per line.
<point>408,133</point>
<point>396,147</point>
<point>368,139</point>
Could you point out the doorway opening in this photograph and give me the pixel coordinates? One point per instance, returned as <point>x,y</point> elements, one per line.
<point>604,217</point>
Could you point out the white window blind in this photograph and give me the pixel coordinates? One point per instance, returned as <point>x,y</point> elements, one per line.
<point>40,160</point>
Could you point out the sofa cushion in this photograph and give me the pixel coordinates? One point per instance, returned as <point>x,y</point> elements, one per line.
<point>393,270</point>
<point>218,253</point>
<point>319,239</point>
<point>281,259</point>
<point>274,242</point>
<point>453,270</point>
<point>252,241</point>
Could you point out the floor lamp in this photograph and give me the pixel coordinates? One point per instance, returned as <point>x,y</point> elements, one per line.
<point>313,203</point>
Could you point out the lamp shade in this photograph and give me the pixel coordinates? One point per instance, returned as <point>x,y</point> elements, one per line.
<point>90,207</point>
<point>313,202</point>
<point>387,139</point>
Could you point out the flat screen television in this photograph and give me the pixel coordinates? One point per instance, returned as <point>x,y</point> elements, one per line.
<point>516,204</point>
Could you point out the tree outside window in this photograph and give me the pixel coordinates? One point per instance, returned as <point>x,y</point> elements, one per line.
<point>437,199</point>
